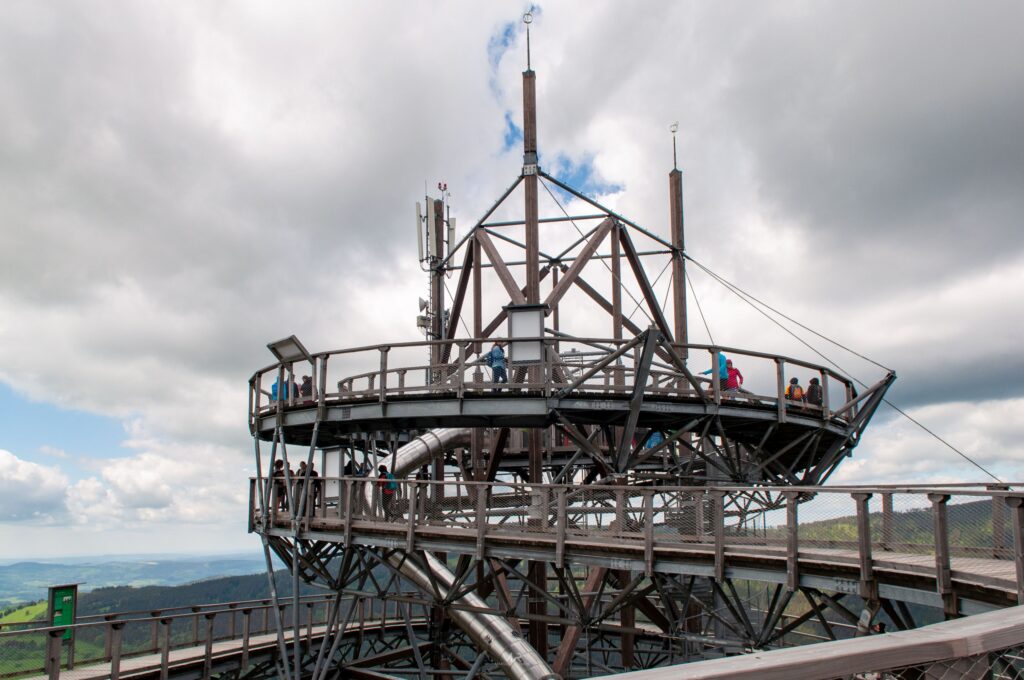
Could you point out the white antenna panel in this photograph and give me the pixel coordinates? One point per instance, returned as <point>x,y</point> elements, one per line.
<point>451,234</point>
<point>419,228</point>
<point>431,240</point>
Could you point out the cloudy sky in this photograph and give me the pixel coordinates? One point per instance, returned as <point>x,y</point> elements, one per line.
<point>181,183</point>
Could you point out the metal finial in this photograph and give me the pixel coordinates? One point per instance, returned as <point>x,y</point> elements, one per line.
<point>674,128</point>
<point>528,19</point>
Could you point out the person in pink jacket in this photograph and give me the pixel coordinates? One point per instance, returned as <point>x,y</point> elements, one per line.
<point>735,379</point>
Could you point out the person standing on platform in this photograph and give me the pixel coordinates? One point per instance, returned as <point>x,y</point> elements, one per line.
<point>723,370</point>
<point>388,490</point>
<point>734,379</point>
<point>496,360</point>
<point>794,392</point>
<point>813,394</point>
<point>280,486</point>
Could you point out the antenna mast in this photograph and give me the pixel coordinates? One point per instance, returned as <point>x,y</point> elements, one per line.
<point>675,192</point>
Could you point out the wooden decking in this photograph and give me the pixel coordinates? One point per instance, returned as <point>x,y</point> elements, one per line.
<point>984,579</point>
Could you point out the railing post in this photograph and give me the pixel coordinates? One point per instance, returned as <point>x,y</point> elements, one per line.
<point>780,389</point>
<point>154,641</point>
<point>998,504</point>
<point>718,500</point>
<point>246,631</point>
<point>462,369</point>
<point>401,381</point>
<point>887,523</point>
<point>208,648</point>
<point>349,485</point>
<point>716,379</point>
<point>792,541</point>
<point>868,587</point>
<point>649,532</point>
<point>1016,505</point>
<point>115,649</point>
<point>410,532</point>
<point>195,626</point>
<point>483,494</point>
<point>943,576</point>
<point>54,641</point>
<point>165,647</point>
<point>384,374</point>
<point>825,414</point>
<point>107,636</point>
<point>561,518</point>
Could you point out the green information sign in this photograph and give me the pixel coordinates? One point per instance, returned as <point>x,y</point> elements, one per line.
<point>63,600</point>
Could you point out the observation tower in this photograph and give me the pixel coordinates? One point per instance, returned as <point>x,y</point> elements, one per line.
<point>614,506</point>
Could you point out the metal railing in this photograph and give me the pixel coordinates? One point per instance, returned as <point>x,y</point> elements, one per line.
<point>866,528</point>
<point>989,646</point>
<point>106,640</point>
<point>569,365</point>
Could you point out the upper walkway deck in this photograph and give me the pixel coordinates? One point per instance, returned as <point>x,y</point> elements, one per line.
<point>643,382</point>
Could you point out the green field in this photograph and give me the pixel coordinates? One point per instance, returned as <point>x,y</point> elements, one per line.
<point>30,612</point>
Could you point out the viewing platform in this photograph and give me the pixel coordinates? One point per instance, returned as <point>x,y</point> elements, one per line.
<point>642,384</point>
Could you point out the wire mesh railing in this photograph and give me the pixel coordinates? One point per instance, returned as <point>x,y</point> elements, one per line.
<point>937,527</point>
<point>106,641</point>
<point>987,646</point>
<point>566,365</point>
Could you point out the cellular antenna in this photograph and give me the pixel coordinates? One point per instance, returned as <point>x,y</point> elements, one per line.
<point>674,128</point>
<point>528,19</point>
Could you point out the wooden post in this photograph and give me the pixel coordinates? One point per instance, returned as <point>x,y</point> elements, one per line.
<point>115,649</point>
<point>649,532</point>
<point>868,587</point>
<point>943,576</point>
<point>53,647</point>
<point>675,191</point>
<point>383,394</point>
<point>780,387</point>
<point>165,647</point>
<point>718,499</point>
<point>246,631</point>
<point>561,518</point>
<point>412,491</point>
<point>482,500</point>
<point>1016,505</point>
<point>616,285</point>
<point>792,541</point>
<point>208,647</point>
<point>195,612</point>
<point>716,378</point>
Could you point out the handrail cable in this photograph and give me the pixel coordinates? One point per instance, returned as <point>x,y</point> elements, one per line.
<point>743,295</point>
<point>699,308</point>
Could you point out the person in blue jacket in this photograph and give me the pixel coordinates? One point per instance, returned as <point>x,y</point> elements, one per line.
<point>496,360</point>
<point>723,370</point>
<point>276,389</point>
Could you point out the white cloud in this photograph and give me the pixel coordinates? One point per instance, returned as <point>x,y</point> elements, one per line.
<point>181,184</point>
<point>897,451</point>
<point>29,491</point>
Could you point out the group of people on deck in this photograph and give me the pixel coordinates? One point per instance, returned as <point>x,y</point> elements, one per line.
<point>731,380</point>
<point>281,392</point>
<point>281,476</point>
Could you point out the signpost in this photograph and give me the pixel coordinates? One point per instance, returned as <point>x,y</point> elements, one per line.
<point>63,603</point>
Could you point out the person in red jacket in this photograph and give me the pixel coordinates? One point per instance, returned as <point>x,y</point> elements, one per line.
<point>735,379</point>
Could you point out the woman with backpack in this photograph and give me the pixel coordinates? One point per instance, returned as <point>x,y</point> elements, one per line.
<point>794,392</point>
<point>388,491</point>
